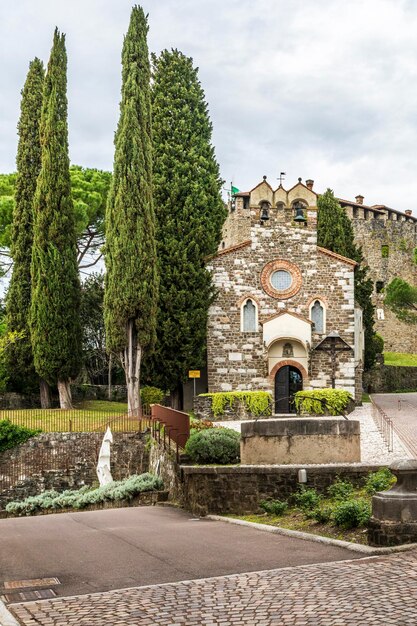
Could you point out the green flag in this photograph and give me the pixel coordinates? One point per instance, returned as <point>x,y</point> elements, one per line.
<point>234,190</point>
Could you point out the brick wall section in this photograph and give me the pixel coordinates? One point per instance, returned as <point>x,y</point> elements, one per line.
<point>239,360</point>
<point>238,490</point>
<point>66,461</point>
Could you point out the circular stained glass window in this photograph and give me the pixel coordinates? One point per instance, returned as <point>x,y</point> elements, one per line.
<point>281,280</point>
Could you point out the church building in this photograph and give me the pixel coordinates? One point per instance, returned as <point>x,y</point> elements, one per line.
<point>284,317</point>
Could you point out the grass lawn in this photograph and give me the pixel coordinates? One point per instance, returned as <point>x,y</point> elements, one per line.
<point>400,358</point>
<point>365,397</point>
<point>87,416</point>
<point>294,519</point>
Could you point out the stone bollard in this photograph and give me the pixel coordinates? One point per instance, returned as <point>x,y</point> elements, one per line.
<point>394,512</point>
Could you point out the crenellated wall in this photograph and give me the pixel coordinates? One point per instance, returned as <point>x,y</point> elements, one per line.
<point>388,247</point>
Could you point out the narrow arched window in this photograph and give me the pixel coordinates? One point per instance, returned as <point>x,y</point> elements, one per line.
<point>317,317</point>
<point>249,317</point>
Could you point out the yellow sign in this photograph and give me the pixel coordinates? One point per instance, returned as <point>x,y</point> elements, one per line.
<point>194,374</point>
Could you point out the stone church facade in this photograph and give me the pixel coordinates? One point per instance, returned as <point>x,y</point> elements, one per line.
<point>279,297</point>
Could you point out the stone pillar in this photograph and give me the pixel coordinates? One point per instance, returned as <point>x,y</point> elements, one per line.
<point>394,512</point>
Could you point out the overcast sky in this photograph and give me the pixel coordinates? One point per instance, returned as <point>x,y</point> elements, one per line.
<point>322,89</point>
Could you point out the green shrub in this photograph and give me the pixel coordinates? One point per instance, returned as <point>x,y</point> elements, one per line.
<point>306,499</point>
<point>214,445</point>
<point>12,435</point>
<point>381,480</point>
<point>320,401</point>
<point>151,395</point>
<point>274,507</point>
<point>340,490</point>
<point>322,515</point>
<point>378,342</point>
<point>197,425</point>
<point>352,513</point>
<point>256,402</point>
<point>117,490</point>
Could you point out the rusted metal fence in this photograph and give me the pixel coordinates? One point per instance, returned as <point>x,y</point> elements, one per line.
<point>170,428</point>
<point>75,420</point>
<point>384,424</point>
<point>39,458</point>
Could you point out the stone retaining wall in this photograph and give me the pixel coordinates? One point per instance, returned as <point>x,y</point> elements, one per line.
<point>163,463</point>
<point>300,440</point>
<point>66,461</point>
<point>239,489</point>
<point>390,378</point>
<point>238,411</point>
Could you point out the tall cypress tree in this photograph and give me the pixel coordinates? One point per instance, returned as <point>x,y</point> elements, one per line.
<point>190,214</point>
<point>19,354</point>
<point>335,232</point>
<point>55,324</point>
<point>131,284</point>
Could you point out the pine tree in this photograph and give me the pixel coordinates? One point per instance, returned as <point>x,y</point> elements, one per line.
<point>401,298</point>
<point>131,285</point>
<point>55,324</point>
<point>19,354</point>
<point>335,232</point>
<point>190,214</point>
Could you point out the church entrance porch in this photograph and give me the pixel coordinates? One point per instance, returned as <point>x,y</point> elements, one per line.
<point>288,380</point>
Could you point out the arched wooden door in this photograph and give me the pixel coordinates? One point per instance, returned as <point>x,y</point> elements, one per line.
<point>288,380</point>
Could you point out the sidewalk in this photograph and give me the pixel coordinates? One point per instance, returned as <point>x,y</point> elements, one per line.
<point>367,592</point>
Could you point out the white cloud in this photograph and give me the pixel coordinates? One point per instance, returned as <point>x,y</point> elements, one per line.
<point>321,89</point>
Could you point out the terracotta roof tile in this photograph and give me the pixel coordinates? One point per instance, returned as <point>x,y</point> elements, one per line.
<point>336,256</point>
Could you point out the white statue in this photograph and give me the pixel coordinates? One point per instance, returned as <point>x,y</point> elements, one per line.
<point>103,465</point>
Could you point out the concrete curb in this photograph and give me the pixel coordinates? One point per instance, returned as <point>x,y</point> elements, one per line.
<point>297,534</point>
<point>6,618</point>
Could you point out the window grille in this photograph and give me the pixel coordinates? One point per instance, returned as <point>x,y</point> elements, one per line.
<point>317,316</point>
<point>249,317</point>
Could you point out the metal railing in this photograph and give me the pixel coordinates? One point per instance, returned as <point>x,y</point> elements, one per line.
<point>384,425</point>
<point>75,420</point>
<point>170,428</point>
<point>39,457</point>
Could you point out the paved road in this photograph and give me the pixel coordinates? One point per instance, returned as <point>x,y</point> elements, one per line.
<point>117,548</point>
<point>402,409</point>
<point>379,591</point>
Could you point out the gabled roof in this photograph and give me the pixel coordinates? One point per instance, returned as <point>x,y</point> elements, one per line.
<point>373,208</point>
<point>286,312</point>
<point>264,181</point>
<point>334,255</point>
<point>237,246</point>
<point>302,185</point>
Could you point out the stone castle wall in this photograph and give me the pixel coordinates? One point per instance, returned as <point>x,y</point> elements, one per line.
<point>388,247</point>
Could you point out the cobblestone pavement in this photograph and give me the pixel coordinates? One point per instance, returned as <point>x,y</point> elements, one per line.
<point>402,409</point>
<point>377,591</point>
